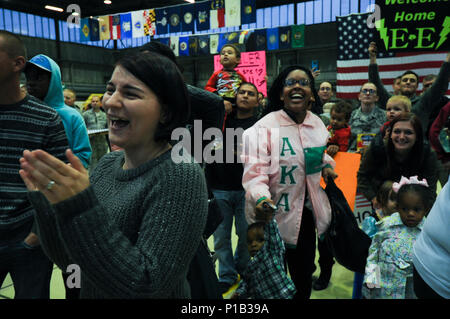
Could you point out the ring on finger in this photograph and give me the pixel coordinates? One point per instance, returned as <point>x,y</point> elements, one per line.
<point>50,185</point>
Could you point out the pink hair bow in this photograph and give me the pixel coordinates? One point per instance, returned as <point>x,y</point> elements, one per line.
<point>408,181</point>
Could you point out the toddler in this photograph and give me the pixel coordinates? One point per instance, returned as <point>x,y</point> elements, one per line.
<point>389,268</point>
<point>397,105</point>
<point>265,276</point>
<point>339,129</point>
<point>225,82</point>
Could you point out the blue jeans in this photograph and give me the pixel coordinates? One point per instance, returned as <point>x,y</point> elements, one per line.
<point>232,204</point>
<point>29,267</point>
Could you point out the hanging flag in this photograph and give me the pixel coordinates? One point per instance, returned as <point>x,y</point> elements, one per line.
<point>243,37</point>
<point>184,46</point>
<point>203,44</point>
<point>85,30</point>
<point>104,28</point>
<point>248,11</point>
<point>214,43</point>
<point>284,37</point>
<point>193,46</point>
<point>298,36</point>
<point>188,13</point>
<point>232,13</point>
<point>353,58</point>
<point>138,22</point>
<point>95,29</point>
<point>174,16</point>
<point>202,15</point>
<point>114,26</point>
<point>257,41</point>
<point>162,21</point>
<point>174,45</point>
<point>150,22</point>
<point>126,27</point>
<point>272,39</point>
<point>217,14</point>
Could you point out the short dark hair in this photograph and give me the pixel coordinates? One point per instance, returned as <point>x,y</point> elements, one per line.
<point>257,225</point>
<point>275,103</point>
<point>343,107</point>
<point>13,44</point>
<point>411,72</point>
<point>251,84</point>
<point>163,77</point>
<point>161,48</point>
<point>424,192</point>
<point>236,49</point>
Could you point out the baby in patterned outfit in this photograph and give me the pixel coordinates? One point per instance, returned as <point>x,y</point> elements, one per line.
<point>389,268</point>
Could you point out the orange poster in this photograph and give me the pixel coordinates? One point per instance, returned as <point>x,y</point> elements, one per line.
<point>347,166</point>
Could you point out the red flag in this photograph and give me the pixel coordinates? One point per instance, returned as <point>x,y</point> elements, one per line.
<point>217,14</point>
<point>354,37</point>
<point>114,26</point>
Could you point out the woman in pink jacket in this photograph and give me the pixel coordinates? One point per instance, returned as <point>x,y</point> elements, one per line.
<point>284,159</point>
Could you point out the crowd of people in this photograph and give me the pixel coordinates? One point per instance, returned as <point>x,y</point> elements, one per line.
<point>136,220</point>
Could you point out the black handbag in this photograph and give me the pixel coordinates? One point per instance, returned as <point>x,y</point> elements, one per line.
<point>345,240</point>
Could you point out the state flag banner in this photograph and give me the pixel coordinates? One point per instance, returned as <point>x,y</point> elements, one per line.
<point>284,37</point>
<point>138,23</point>
<point>162,21</point>
<point>202,15</point>
<point>174,45</point>
<point>104,28</point>
<point>193,46</point>
<point>95,29</point>
<point>188,13</point>
<point>257,40</point>
<point>298,36</point>
<point>150,22</point>
<point>114,26</point>
<point>85,30</point>
<point>232,13</point>
<point>272,39</point>
<point>217,14</point>
<point>354,37</point>
<point>248,11</point>
<point>184,46</point>
<point>174,16</point>
<point>125,26</point>
<point>214,43</point>
<point>203,44</point>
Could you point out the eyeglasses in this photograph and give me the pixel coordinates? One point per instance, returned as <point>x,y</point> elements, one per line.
<point>370,91</point>
<point>325,88</point>
<point>292,82</point>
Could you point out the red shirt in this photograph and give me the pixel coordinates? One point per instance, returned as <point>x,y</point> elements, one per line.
<point>340,137</point>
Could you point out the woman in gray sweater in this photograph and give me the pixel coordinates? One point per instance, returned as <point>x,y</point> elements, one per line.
<point>135,224</point>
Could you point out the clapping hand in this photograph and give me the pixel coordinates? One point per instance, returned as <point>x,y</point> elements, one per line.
<point>56,180</point>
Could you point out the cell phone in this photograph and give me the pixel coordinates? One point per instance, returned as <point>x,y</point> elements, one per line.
<point>269,205</point>
<point>314,65</point>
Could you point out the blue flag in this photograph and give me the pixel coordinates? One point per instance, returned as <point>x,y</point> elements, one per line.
<point>188,13</point>
<point>257,40</point>
<point>183,46</point>
<point>193,46</point>
<point>284,37</point>
<point>248,11</point>
<point>165,41</point>
<point>203,45</point>
<point>126,28</point>
<point>95,29</point>
<point>85,30</point>
<point>272,39</point>
<point>174,16</point>
<point>202,15</point>
<point>162,21</point>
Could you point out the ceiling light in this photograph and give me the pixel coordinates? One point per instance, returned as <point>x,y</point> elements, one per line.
<point>107,2</point>
<point>54,8</point>
<point>191,1</point>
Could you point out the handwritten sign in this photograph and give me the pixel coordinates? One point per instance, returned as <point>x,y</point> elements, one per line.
<point>252,66</point>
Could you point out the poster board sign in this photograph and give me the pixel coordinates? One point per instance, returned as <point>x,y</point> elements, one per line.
<point>405,25</point>
<point>347,166</point>
<point>252,66</point>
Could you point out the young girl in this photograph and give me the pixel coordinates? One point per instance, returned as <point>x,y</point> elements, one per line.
<point>389,264</point>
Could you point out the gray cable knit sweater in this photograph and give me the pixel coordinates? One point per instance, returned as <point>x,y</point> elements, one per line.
<point>132,232</point>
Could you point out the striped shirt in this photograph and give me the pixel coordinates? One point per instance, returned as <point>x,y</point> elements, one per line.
<point>26,125</point>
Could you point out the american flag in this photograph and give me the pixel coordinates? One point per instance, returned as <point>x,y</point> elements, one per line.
<point>354,37</point>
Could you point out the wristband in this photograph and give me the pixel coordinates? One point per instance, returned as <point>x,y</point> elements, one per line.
<point>260,200</point>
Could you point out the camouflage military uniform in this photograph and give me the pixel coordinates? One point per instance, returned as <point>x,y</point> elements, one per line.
<point>96,120</point>
<point>365,123</point>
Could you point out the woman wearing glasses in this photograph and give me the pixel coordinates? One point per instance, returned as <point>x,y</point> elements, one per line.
<point>366,119</point>
<point>284,158</point>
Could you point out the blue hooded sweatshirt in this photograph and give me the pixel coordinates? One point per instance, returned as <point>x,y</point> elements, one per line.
<point>74,125</point>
